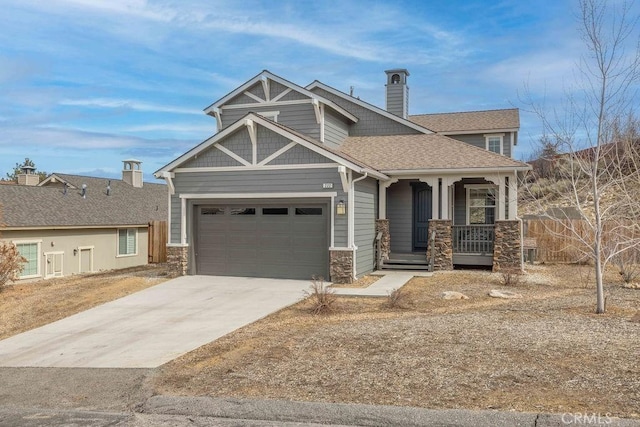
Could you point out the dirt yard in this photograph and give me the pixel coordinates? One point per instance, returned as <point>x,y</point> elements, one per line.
<point>25,306</point>
<point>545,352</point>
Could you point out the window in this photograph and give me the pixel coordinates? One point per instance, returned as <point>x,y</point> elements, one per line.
<point>212,211</point>
<point>275,211</point>
<point>308,211</point>
<point>494,143</point>
<point>481,205</point>
<point>242,211</point>
<point>30,251</point>
<point>127,242</point>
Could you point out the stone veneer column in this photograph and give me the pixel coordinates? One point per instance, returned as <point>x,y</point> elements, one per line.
<point>443,244</point>
<point>382,226</point>
<point>178,260</point>
<point>341,266</point>
<point>507,246</point>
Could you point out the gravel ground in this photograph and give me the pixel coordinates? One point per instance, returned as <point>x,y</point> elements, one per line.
<point>546,352</point>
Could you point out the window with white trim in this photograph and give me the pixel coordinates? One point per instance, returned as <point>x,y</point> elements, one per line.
<point>127,242</point>
<point>481,204</point>
<point>494,143</point>
<point>29,251</point>
<point>271,115</point>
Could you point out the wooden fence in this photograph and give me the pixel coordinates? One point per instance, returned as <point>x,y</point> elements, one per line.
<point>557,239</point>
<point>157,241</point>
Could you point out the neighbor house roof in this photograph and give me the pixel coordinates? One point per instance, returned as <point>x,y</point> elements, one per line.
<point>48,206</point>
<point>469,121</point>
<point>424,152</point>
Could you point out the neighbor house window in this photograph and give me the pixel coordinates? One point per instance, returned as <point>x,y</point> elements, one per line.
<point>29,251</point>
<point>127,241</point>
<point>481,205</point>
<point>494,143</point>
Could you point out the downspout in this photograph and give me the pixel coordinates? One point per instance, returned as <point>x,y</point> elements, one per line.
<point>351,220</point>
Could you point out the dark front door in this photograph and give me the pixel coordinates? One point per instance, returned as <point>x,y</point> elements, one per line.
<point>421,215</point>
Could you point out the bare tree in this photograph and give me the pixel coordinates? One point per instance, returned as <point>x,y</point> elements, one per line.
<point>598,178</point>
<point>11,262</point>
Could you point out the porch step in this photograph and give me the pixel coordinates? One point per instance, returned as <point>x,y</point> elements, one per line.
<point>387,266</point>
<point>414,261</point>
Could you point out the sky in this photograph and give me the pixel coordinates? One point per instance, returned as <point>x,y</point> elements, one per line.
<point>85,84</point>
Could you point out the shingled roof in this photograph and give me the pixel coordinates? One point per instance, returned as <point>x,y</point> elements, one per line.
<point>469,121</point>
<point>423,152</point>
<point>47,206</point>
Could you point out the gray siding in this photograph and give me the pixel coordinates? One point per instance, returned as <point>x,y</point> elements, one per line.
<point>365,196</point>
<point>336,129</point>
<point>269,142</point>
<point>398,99</point>
<point>400,214</point>
<point>299,117</point>
<point>480,141</point>
<point>299,155</point>
<point>369,122</point>
<point>266,181</point>
<point>239,143</point>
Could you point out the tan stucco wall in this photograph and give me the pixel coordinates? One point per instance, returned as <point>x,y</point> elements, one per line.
<point>104,242</point>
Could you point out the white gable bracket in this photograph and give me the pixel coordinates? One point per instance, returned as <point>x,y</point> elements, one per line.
<point>254,97</point>
<point>342,170</point>
<point>316,108</point>
<point>168,177</point>
<point>281,95</point>
<point>253,135</point>
<point>218,114</point>
<point>265,87</point>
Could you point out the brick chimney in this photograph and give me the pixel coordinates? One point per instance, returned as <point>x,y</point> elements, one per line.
<point>397,92</point>
<point>132,172</point>
<point>28,176</point>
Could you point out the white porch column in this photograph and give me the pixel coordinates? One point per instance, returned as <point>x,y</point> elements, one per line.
<point>435,197</point>
<point>501,197</point>
<point>446,182</point>
<point>382,197</point>
<point>513,196</point>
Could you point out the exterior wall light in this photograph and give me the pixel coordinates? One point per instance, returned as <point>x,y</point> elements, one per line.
<point>341,208</point>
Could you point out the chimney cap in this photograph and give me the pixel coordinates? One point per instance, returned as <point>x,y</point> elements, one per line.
<point>398,70</point>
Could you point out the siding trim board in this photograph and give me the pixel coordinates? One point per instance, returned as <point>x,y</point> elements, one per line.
<point>258,167</point>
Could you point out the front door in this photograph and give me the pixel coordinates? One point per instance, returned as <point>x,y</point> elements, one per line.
<point>421,215</point>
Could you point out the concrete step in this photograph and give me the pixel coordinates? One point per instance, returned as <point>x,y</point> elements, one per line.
<point>386,266</point>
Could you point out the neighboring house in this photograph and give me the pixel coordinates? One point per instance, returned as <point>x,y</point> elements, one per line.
<point>70,224</point>
<point>300,182</point>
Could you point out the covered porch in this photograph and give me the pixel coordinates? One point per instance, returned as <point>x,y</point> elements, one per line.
<point>440,221</point>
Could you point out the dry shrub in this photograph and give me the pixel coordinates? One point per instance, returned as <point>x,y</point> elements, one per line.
<point>11,263</point>
<point>398,298</point>
<point>510,277</point>
<point>627,265</point>
<point>322,298</point>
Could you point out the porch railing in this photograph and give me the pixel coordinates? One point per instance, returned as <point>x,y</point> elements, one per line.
<point>473,239</point>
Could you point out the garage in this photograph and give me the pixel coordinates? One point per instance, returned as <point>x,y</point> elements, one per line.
<point>288,241</point>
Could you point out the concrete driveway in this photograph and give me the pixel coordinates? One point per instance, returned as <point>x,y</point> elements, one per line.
<point>153,326</point>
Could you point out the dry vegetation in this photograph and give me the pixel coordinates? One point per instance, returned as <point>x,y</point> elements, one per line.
<point>25,306</point>
<point>545,352</point>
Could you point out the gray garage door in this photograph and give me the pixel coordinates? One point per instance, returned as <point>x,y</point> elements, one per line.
<point>262,240</point>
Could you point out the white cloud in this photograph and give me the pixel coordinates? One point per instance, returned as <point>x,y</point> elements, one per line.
<point>129,104</point>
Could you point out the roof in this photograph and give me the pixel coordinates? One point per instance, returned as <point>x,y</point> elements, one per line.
<point>424,152</point>
<point>409,123</point>
<point>48,207</point>
<point>468,121</point>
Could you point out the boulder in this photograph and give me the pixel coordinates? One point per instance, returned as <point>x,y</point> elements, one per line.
<point>503,294</point>
<point>453,295</point>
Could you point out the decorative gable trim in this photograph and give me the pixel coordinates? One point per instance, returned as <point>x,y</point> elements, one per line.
<point>250,121</point>
<point>264,78</point>
<point>52,178</point>
<point>377,110</point>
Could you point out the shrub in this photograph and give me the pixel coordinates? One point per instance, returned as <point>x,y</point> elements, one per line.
<point>398,298</point>
<point>510,277</point>
<point>322,298</point>
<point>11,263</point>
<point>627,265</point>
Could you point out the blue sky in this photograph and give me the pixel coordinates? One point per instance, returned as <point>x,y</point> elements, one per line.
<point>85,84</point>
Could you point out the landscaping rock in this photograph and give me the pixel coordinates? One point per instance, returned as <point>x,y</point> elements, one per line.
<point>631,285</point>
<point>503,294</point>
<point>453,295</point>
<point>635,318</point>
